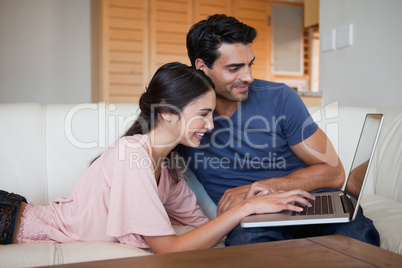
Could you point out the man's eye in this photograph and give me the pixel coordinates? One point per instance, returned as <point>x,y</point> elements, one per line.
<point>235,69</point>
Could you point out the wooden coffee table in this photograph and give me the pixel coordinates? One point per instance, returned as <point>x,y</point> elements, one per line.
<point>325,251</point>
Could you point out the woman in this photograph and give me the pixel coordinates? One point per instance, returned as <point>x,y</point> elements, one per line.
<point>132,193</point>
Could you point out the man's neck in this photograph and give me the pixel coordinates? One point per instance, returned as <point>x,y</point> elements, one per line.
<point>225,107</point>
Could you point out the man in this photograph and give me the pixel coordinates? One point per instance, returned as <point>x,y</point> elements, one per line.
<point>263,134</point>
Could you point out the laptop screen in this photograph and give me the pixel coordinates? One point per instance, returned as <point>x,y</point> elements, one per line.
<point>364,151</point>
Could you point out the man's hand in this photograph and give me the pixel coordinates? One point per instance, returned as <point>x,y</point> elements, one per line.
<point>234,196</point>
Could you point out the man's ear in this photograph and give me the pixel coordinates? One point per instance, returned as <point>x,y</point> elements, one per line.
<point>199,64</point>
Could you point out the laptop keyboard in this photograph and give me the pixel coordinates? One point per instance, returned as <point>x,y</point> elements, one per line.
<point>320,206</point>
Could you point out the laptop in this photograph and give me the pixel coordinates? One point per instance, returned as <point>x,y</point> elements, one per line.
<point>332,207</point>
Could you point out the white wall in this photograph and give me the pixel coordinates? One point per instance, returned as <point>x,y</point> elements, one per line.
<point>369,73</point>
<point>45,51</point>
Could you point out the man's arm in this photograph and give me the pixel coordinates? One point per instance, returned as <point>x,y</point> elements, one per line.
<point>324,170</point>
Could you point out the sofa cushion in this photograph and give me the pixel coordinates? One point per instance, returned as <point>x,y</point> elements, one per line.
<point>387,217</point>
<point>75,134</point>
<point>42,254</point>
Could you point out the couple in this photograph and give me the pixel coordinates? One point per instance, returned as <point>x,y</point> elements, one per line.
<point>202,110</point>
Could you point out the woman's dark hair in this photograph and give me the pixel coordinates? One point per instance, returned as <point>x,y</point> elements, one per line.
<point>171,89</point>
<point>206,37</point>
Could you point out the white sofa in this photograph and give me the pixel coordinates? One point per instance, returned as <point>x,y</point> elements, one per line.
<point>44,150</point>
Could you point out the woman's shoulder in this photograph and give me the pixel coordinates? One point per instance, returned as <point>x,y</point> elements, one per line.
<point>137,141</point>
<point>128,146</point>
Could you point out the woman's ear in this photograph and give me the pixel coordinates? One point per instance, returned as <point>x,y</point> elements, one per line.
<point>167,116</point>
<point>199,64</point>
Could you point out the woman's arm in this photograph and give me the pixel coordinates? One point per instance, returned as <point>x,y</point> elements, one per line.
<point>324,170</point>
<point>212,232</point>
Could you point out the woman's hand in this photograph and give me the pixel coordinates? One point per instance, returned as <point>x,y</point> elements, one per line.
<point>257,189</point>
<point>233,196</point>
<point>278,201</point>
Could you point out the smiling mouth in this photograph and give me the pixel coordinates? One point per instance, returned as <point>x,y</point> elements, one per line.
<point>199,134</point>
<point>242,87</point>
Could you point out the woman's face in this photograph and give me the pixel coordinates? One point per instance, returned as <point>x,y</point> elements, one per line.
<point>196,119</point>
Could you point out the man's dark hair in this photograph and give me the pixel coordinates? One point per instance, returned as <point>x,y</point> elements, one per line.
<point>206,37</point>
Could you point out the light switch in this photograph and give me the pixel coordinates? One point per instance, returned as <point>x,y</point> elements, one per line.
<point>344,36</point>
<point>327,41</point>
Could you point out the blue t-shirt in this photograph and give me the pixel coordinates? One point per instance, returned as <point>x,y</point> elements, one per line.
<point>254,143</point>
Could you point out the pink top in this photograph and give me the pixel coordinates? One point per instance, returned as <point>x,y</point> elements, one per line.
<point>116,200</point>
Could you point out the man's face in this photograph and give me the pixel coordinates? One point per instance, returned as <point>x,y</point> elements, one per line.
<point>231,72</point>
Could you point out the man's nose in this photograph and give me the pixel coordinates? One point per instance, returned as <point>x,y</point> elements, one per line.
<point>247,75</point>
